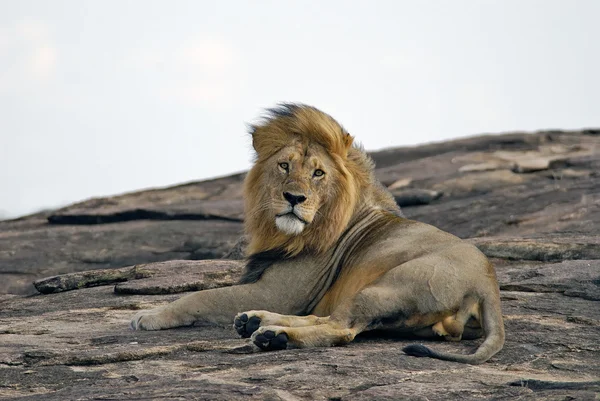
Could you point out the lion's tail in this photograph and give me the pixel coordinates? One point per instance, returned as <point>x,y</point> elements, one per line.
<point>494,339</point>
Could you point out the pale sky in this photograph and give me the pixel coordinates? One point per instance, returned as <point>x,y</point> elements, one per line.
<point>104,97</point>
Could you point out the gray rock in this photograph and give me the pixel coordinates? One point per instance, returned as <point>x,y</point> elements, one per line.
<point>543,249</point>
<point>33,249</point>
<point>415,196</point>
<point>180,276</point>
<point>238,250</point>
<point>538,164</point>
<point>486,166</point>
<point>169,277</point>
<point>580,278</point>
<point>109,255</point>
<point>77,344</point>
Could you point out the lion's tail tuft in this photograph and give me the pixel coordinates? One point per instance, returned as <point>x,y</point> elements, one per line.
<point>417,350</point>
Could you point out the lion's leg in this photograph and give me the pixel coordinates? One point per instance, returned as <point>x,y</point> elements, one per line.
<point>347,321</point>
<point>452,327</point>
<point>393,304</point>
<point>270,338</point>
<point>449,328</point>
<point>219,305</point>
<point>277,290</point>
<point>247,323</point>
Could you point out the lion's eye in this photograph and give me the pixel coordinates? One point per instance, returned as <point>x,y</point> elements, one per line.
<point>284,166</point>
<point>319,173</point>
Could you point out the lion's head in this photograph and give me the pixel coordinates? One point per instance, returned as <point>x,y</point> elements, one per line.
<point>306,183</point>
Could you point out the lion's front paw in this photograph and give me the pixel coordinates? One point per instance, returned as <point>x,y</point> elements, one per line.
<point>147,320</point>
<point>157,319</point>
<point>246,325</point>
<point>270,338</point>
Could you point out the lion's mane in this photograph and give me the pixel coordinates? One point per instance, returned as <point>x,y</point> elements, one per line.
<point>355,185</point>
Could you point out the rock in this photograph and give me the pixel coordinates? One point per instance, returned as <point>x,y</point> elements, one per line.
<point>415,196</point>
<point>541,207</point>
<point>568,173</point>
<point>107,256</point>
<point>219,198</point>
<point>481,143</point>
<point>538,164</point>
<point>180,276</point>
<point>209,210</point>
<point>31,250</point>
<point>75,281</point>
<point>76,344</point>
<point>467,168</point>
<point>544,249</point>
<point>580,278</point>
<point>238,250</point>
<point>531,165</point>
<point>169,277</point>
<point>479,182</point>
<point>401,183</point>
<point>202,220</point>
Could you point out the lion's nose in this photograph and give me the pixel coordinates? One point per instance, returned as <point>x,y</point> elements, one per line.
<point>294,199</point>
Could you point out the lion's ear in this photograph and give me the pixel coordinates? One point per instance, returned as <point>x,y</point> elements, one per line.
<point>254,144</point>
<point>265,143</point>
<point>348,139</point>
<point>252,130</point>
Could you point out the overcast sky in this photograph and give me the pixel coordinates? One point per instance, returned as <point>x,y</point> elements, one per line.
<point>104,97</point>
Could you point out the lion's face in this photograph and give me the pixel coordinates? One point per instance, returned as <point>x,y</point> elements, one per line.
<point>299,182</point>
<point>305,184</point>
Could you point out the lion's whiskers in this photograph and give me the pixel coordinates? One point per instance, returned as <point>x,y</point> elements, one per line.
<point>265,205</point>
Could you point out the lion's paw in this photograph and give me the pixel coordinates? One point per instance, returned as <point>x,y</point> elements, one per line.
<point>146,320</point>
<point>246,325</point>
<point>157,319</point>
<point>270,338</point>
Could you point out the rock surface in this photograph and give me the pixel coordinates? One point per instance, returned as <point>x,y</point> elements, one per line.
<point>530,201</point>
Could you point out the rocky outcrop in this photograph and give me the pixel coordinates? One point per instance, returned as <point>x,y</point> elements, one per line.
<point>531,202</point>
<point>201,220</point>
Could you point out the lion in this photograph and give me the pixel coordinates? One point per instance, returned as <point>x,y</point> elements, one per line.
<point>330,254</point>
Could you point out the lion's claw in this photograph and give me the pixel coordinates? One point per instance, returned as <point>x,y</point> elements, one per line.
<point>135,323</point>
<point>246,326</point>
<point>268,341</point>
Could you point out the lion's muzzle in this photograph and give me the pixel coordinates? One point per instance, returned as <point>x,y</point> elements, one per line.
<point>294,199</point>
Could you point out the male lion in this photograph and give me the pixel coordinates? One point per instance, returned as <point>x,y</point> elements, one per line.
<point>331,256</point>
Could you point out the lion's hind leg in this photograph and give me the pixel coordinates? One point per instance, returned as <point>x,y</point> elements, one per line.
<point>246,323</point>
<point>452,327</point>
<point>449,328</point>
